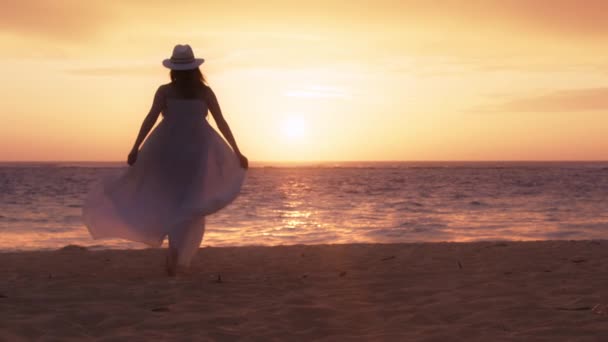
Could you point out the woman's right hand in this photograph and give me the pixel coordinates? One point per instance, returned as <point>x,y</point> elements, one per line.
<point>243,161</point>
<point>132,158</point>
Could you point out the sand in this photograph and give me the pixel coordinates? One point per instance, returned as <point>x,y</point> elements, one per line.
<point>491,291</point>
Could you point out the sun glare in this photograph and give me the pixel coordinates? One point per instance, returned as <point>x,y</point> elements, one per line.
<point>294,127</point>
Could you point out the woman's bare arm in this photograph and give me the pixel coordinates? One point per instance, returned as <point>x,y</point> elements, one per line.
<point>147,124</point>
<point>222,125</point>
<point>216,112</point>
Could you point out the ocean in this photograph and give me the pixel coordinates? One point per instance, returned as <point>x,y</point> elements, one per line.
<point>386,202</point>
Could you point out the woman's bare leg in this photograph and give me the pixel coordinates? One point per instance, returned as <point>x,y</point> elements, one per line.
<point>184,242</point>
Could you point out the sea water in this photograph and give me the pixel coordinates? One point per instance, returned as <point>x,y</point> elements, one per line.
<point>41,203</point>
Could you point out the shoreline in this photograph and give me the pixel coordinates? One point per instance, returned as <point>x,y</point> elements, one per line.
<point>143,247</point>
<point>499,290</point>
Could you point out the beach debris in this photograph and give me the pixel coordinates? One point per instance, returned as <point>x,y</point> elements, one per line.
<point>304,276</point>
<point>72,248</point>
<point>342,274</point>
<point>600,309</point>
<point>459,264</point>
<point>219,279</point>
<point>499,244</point>
<point>2,295</point>
<point>573,308</point>
<point>388,258</point>
<point>160,309</point>
<point>578,260</point>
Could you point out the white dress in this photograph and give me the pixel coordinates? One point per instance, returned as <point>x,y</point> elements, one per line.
<point>184,171</point>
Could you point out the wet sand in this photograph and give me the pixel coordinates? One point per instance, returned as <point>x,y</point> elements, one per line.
<point>490,291</point>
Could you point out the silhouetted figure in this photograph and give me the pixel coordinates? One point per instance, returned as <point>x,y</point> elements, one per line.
<point>183,172</point>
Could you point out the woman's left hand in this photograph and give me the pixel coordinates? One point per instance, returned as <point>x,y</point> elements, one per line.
<point>132,158</point>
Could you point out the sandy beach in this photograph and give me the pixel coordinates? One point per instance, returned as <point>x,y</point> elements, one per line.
<point>490,291</point>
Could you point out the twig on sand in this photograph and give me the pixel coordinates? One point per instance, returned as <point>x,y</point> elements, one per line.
<point>388,258</point>
<point>574,308</point>
<point>459,265</point>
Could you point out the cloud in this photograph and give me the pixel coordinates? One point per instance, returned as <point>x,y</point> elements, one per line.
<point>483,35</point>
<point>134,70</point>
<point>72,18</point>
<point>57,19</point>
<point>555,16</point>
<point>573,100</point>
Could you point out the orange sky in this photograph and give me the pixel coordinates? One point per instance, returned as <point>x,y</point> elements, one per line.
<point>366,80</point>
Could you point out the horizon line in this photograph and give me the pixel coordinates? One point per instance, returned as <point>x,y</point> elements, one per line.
<point>353,161</point>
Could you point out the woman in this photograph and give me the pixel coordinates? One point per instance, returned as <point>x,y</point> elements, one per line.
<point>183,172</point>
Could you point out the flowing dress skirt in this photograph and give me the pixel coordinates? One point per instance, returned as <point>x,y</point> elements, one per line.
<point>184,172</point>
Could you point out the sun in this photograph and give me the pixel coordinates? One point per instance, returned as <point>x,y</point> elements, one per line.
<point>294,127</point>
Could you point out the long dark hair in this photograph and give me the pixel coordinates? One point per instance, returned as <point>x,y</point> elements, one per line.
<point>189,83</point>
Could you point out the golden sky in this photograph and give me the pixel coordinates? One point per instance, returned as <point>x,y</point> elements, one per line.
<point>314,80</point>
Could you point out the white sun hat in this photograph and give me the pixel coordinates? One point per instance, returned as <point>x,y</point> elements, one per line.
<point>183,59</point>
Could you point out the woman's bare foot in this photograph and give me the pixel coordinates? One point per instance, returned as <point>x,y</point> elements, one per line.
<point>171,262</point>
